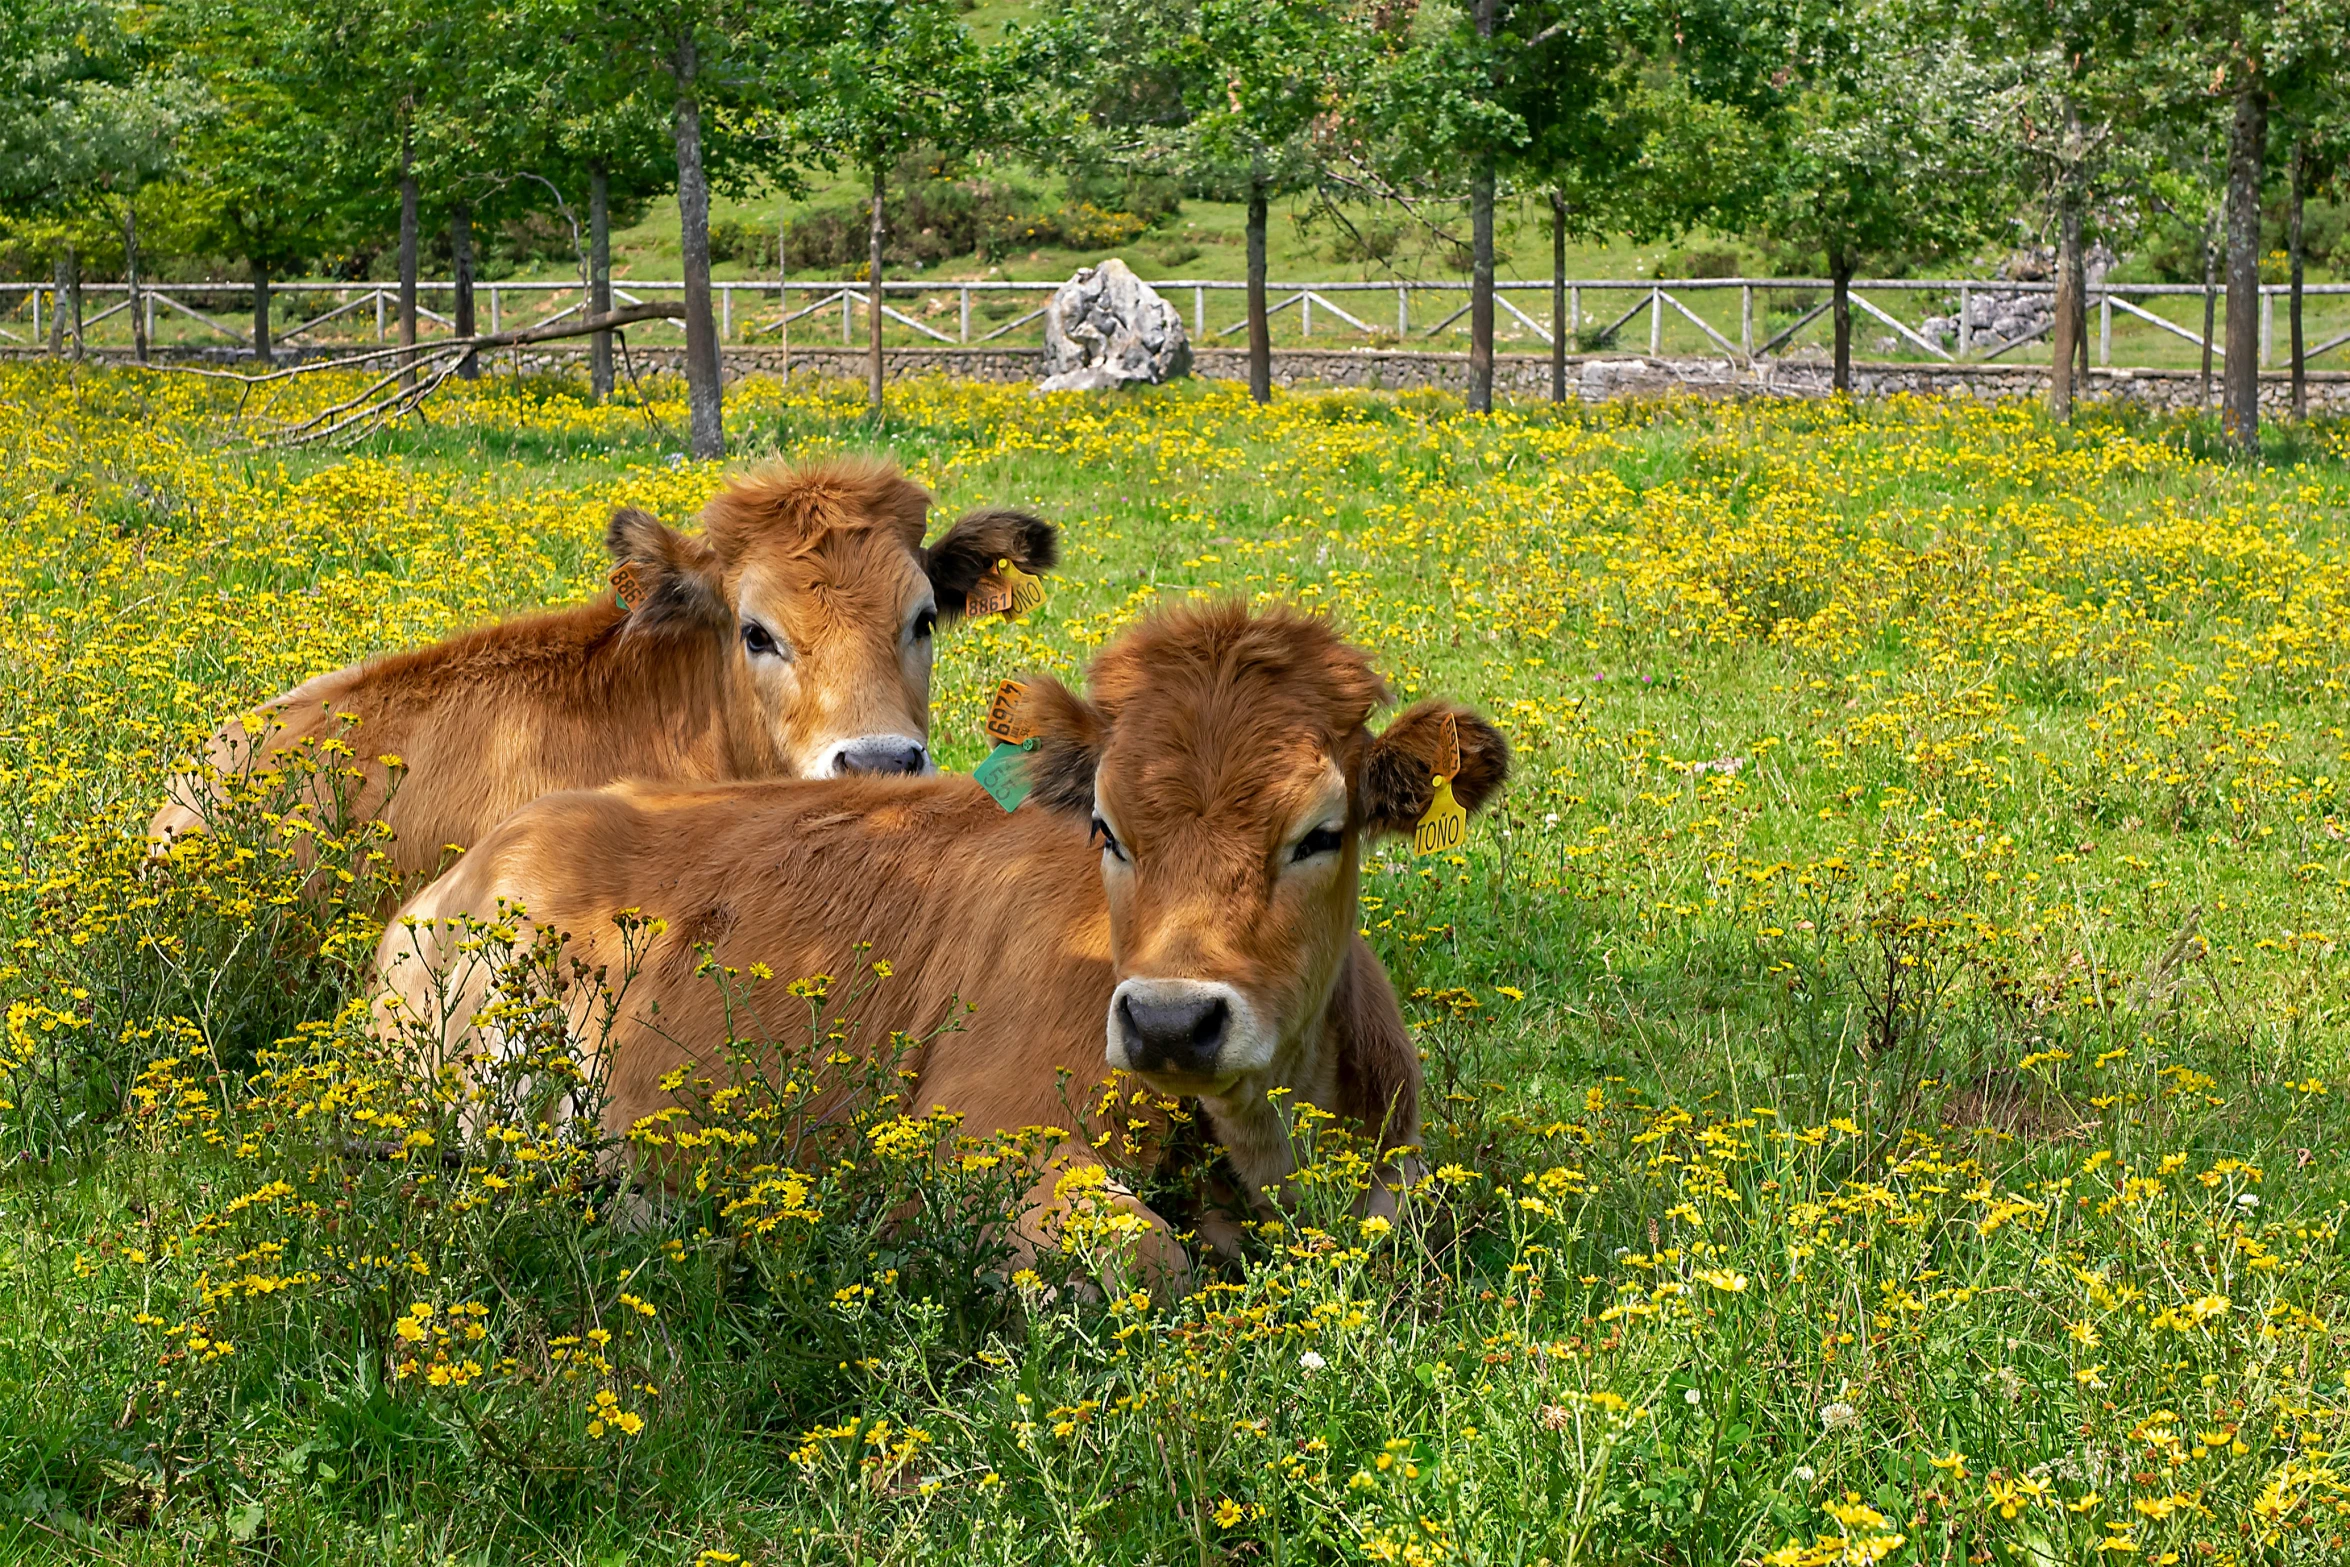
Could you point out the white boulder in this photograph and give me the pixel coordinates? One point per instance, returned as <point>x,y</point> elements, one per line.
<point>1106,327</point>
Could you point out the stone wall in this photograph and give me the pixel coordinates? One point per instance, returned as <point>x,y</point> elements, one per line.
<point>1590,378</point>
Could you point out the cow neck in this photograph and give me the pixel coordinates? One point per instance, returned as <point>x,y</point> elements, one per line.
<point>1255,1127</point>
<point>680,679</point>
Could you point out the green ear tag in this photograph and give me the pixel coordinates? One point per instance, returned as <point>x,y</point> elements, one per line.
<point>1004,775</point>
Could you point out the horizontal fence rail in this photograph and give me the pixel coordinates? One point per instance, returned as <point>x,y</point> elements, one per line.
<point>767,307</point>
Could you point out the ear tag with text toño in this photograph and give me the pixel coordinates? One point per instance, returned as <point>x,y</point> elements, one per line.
<point>1445,823</point>
<point>1005,590</point>
<point>1004,775</point>
<point>625,586</point>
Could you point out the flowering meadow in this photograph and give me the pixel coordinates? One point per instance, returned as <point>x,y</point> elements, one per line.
<point>1886,1052</point>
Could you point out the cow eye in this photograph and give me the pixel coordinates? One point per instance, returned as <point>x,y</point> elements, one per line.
<point>759,642</point>
<point>1322,840</point>
<point>924,624</point>
<point>1101,830</point>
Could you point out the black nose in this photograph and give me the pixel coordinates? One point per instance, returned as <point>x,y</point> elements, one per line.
<point>1174,1036</point>
<point>895,756</point>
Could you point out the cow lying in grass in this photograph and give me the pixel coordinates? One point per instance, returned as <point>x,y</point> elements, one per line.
<point>792,636</point>
<point>1184,877</point>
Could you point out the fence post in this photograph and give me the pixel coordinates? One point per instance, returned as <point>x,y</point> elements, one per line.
<point>1746,320</point>
<point>149,311</point>
<point>844,317</point>
<point>2267,316</point>
<point>966,313</point>
<point>497,317</point>
<point>36,315</point>
<point>1656,321</point>
<point>2105,332</point>
<point>1305,311</point>
<point>379,315</point>
<point>1575,311</point>
<point>1403,311</point>
<point>1966,330</point>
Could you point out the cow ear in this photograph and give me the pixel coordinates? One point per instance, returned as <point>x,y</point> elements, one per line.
<point>1398,776</point>
<point>976,541</point>
<point>1070,733</point>
<point>661,576</point>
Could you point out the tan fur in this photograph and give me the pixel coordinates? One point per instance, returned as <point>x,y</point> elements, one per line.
<point>829,559</point>
<point>1212,735</point>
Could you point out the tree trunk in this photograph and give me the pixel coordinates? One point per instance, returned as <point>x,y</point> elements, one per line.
<point>600,279</point>
<point>66,298</point>
<point>705,408</point>
<point>2299,178</point>
<point>130,274</point>
<point>408,256</point>
<point>1558,296</point>
<point>2070,332</point>
<point>1482,13</point>
<point>261,349</point>
<point>1840,269</point>
<point>461,270</point>
<point>873,300</point>
<point>1260,330</point>
<point>2210,302</point>
<point>1481,290</point>
<point>2240,376</point>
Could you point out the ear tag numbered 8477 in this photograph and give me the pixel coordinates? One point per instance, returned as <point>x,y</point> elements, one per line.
<point>1445,824</point>
<point>1004,775</point>
<point>1005,590</point>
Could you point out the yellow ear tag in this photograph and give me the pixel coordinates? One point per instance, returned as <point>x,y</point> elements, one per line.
<point>1004,775</point>
<point>1445,824</point>
<point>1005,590</point>
<point>625,586</point>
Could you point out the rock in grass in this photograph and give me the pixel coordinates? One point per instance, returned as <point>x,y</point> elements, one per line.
<point>1106,327</point>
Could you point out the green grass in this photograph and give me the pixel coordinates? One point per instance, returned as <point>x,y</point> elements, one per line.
<point>1924,818</point>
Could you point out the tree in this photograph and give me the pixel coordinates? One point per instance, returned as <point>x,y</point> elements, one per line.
<point>1642,118</point>
<point>1873,154</point>
<point>718,64</point>
<point>250,165</point>
<point>896,75</point>
<point>2067,89</point>
<point>1228,96</point>
<point>1443,111</point>
<point>98,113</point>
<point>2251,55</point>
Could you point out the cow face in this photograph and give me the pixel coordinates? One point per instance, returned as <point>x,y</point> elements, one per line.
<point>825,603</point>
<point>1223,764</point>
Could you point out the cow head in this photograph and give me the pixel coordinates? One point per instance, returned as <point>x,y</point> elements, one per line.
<point>1224,764</point>
<point>818,588</point>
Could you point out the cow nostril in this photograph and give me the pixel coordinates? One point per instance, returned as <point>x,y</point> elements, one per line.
<point>1185,1034</point>
<point>900,757</point>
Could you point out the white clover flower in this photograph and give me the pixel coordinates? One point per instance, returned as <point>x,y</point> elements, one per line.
<point>1692,1397</point>
<point>1311,1362</point>
<point>2247,1200</point>
<point>1838,1417</point>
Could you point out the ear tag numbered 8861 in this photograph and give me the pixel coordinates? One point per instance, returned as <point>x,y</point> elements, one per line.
<point>1004,775</point>
<point>1005,590</point>
<point>1445,824</point>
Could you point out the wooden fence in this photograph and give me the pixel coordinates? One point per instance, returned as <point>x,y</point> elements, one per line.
<point>1598,309</point>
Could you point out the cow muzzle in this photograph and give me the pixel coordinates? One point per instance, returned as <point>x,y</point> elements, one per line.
<point>1176,1028</point>
<point>877,755</point>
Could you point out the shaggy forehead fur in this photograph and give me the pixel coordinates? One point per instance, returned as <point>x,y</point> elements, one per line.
<point>1211,708</point>
<point>815,510</point>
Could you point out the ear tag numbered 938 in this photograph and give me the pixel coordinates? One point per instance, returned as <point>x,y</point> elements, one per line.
<point>1445,824</point>
<point>1005,590</point>
<point>1004,775</point>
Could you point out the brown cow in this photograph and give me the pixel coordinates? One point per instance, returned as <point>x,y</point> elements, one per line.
<point>1186,874</point>
<point>791,637</point>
